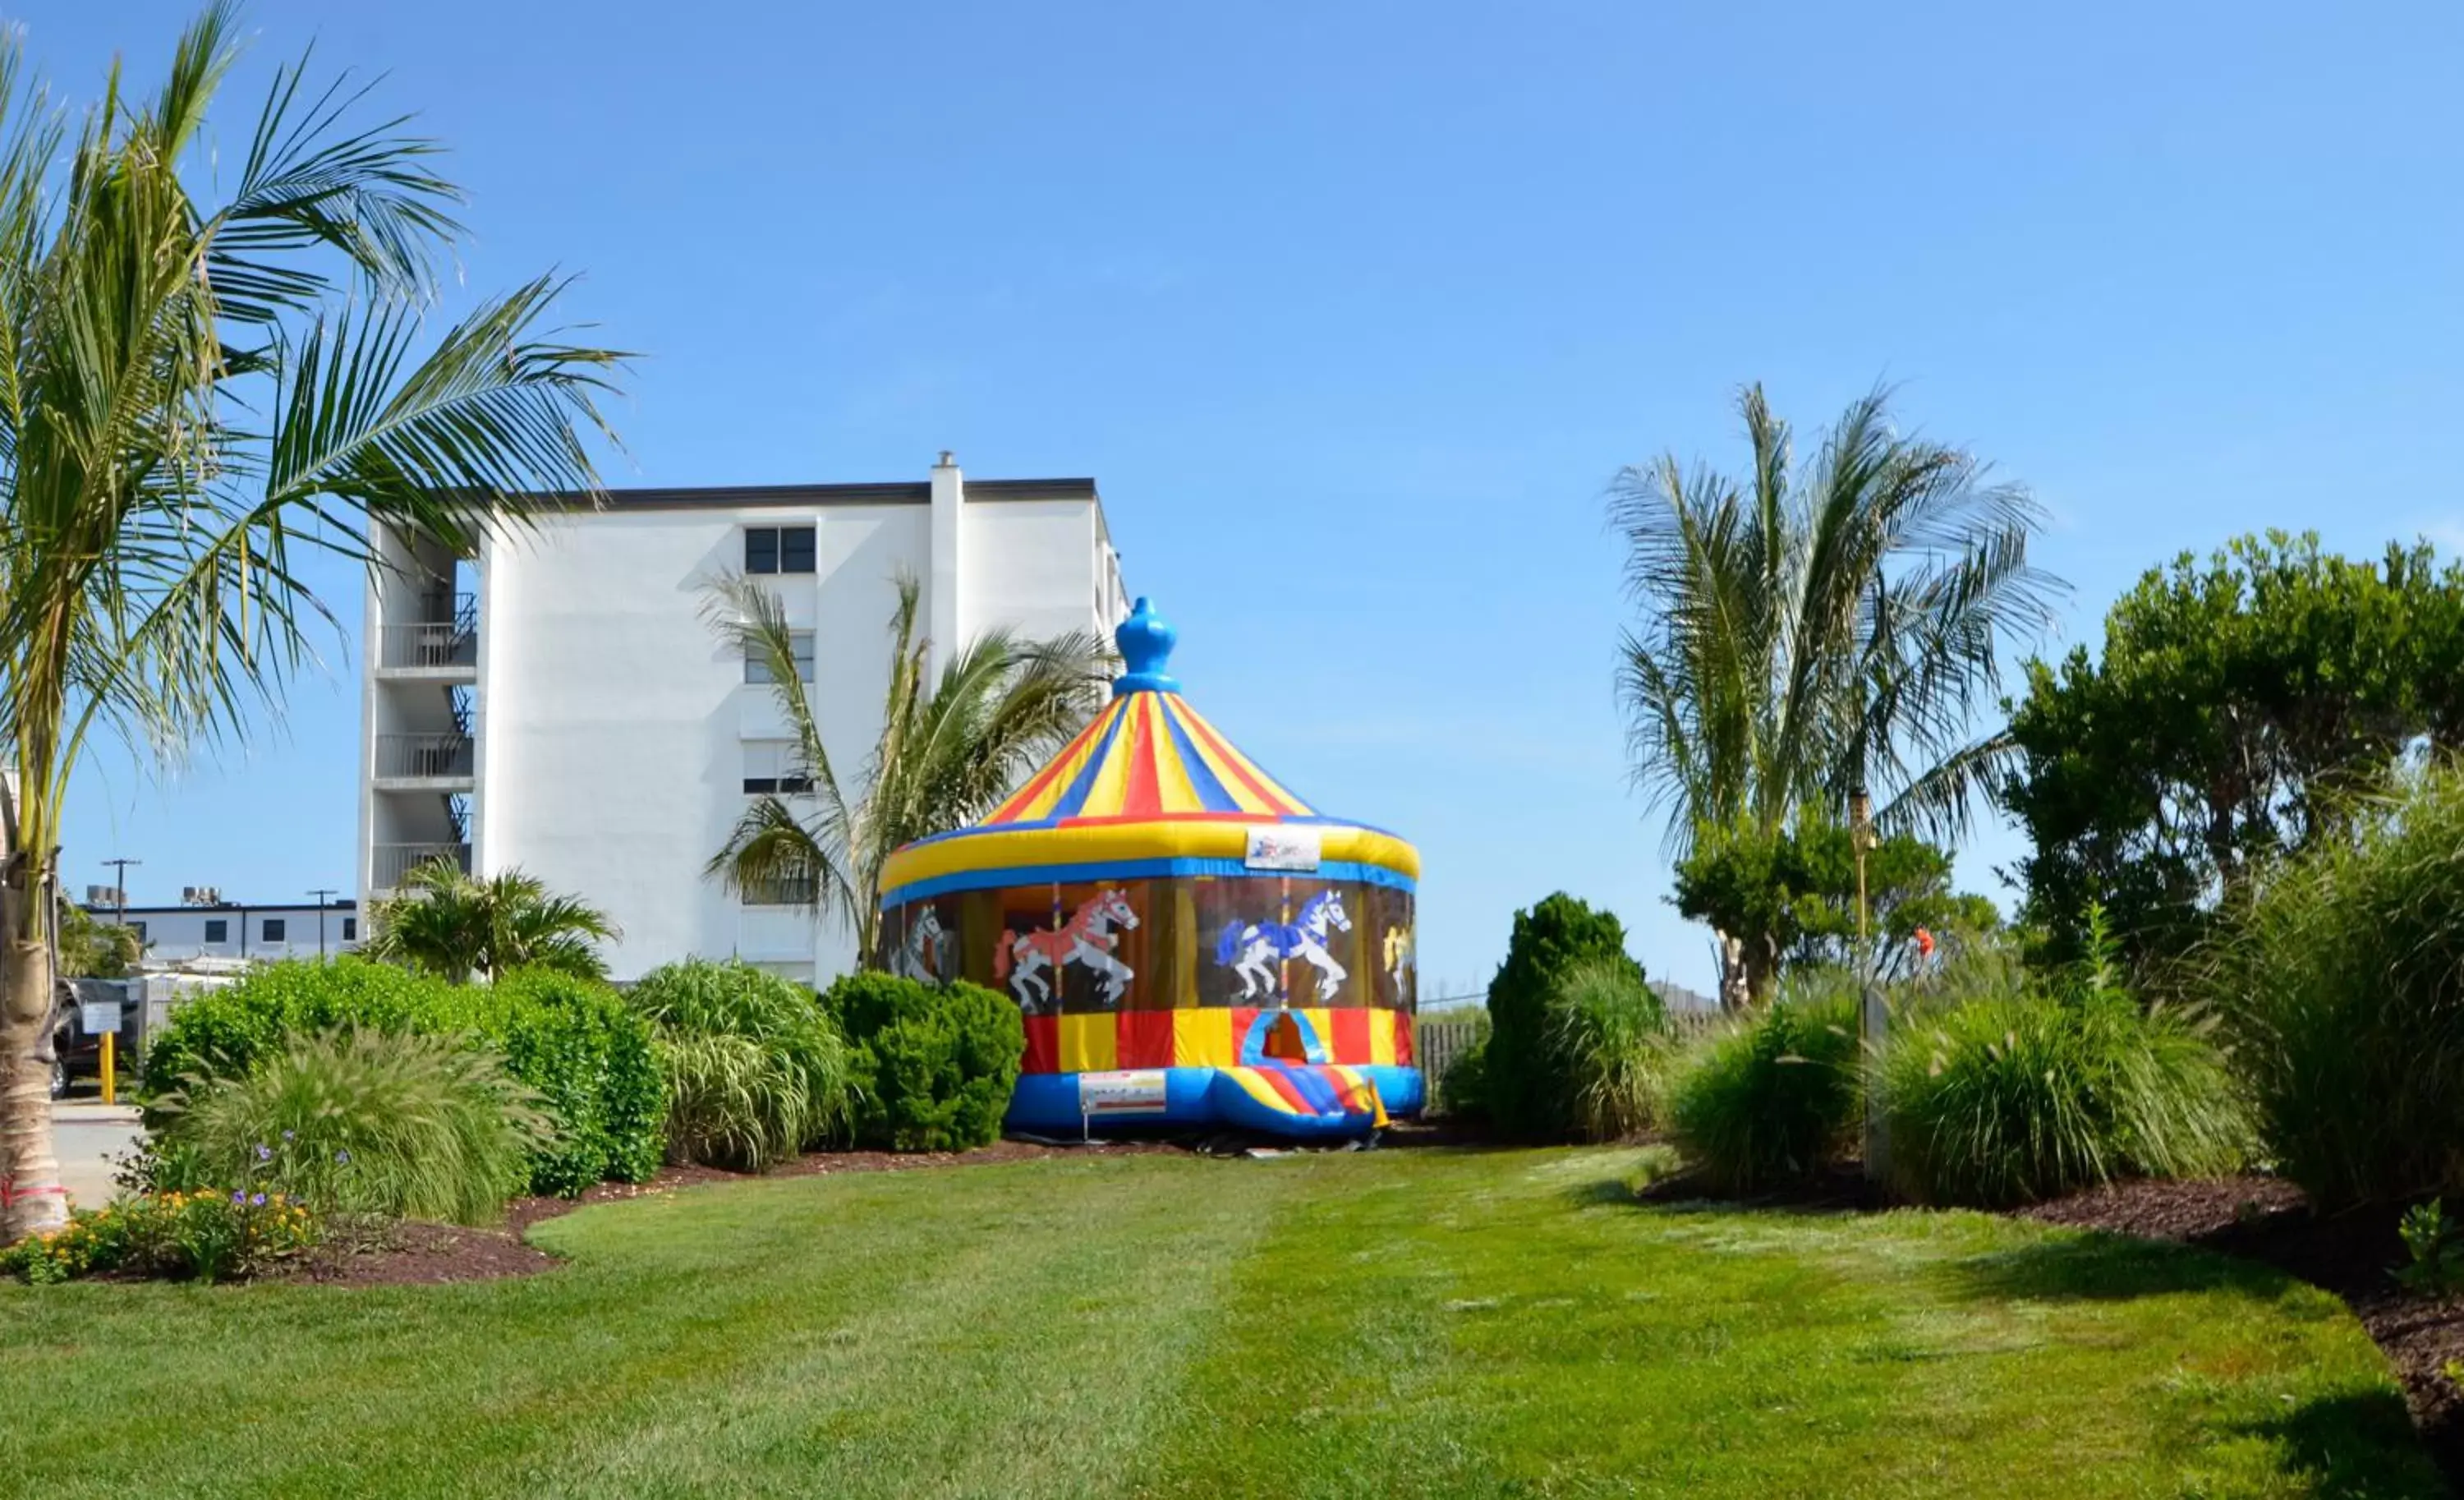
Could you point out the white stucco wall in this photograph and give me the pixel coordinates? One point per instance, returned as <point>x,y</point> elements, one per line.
<point>611,720</point>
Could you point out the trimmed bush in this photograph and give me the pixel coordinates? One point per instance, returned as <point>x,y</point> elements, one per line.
<point>371,1122</point>
<point>1611,1037</point>
<point>571,1040</point>
<point>1773,1100</point>
<point>1529,1083</point>
<point>932,1066</point>
<point>2342,988</point>
<point>756,1069</point>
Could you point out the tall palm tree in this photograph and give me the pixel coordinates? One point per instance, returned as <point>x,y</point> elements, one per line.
<point>949,751</point>
<point>1809,636</point>
<point>442,920</point>
<point>196,395</point>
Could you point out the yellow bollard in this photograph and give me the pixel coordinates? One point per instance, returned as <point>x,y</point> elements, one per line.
<point>107,1049</point>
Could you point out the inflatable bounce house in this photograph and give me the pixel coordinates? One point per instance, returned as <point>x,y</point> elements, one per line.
<point>1191,945</point>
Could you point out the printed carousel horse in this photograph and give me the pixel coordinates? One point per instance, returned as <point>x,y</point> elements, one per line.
<point>1398,957</point>
<point>1252,949</point>
<point>919,957</point>
<point>1030,962</point>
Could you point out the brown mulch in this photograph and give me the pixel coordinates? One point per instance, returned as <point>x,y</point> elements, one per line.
<point>412,1254</point>
<point>2350,1254</point>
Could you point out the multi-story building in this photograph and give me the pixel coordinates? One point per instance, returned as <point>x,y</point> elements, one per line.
<point>561,704</point>
<point>184,934</point>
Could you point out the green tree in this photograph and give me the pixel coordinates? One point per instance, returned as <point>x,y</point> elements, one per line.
<point>195,396</point>
<point>96,950</point>
<point>1806,635</point>
<point>2241,703</point>
<point>1789,896</point>
<point>949,750</point>
<point>443,922</point>
<point>1528,1094</point>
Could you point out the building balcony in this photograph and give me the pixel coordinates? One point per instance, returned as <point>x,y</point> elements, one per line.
<point>443,763</point>
<point>388,863</point>
<point>443,648</point>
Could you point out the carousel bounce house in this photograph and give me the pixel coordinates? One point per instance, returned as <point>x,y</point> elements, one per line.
<point>1191,945</point>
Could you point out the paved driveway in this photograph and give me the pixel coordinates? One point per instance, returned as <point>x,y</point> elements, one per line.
<point>87,1134</point>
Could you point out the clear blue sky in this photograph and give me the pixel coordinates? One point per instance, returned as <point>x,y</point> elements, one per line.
<point>1353,311</point>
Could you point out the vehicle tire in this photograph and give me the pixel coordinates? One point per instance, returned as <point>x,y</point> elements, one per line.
<point>59,1077</point>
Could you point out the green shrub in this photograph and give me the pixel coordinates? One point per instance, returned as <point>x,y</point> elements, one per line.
<point>756,1069</point>
<point>932,1066</point>
<point>591,1060</point>
<point>1772,1100</point>
<point>366,1123</point>
<point>1612,1035</point>
<point>572,1041</point>
<point>1529,1083</point>
<point>209,1234</point>
<point>2342,985</point>
<point>1463,1088</point>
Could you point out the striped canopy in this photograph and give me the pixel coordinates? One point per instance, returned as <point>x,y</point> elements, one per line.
<point>1149,756</point>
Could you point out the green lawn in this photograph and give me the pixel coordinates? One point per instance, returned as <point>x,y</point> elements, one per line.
<point>1398,1323</point>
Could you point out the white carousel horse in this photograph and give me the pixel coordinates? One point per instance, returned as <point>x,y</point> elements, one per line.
<point>1253,949</point>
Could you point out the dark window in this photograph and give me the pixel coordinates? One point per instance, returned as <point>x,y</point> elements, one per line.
<point>273,932</point>
<point>218,929</point>
<point>779,549</point>
<point>783,785</point>
<point>787,891</point>
<point>351,929</point>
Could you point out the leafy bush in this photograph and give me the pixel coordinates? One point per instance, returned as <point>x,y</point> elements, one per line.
<point>2342,985</point>
<point>756,1069</point>
<point>1613,1037</point>
<point>932,1066</point>
<point>1528,1085</point>
<point>370,1122</point>
<point>1773,1099</point>
<point>207,1234</point>
<point>2433,1250</point>
<point>1463,1088</point>
<point>571,1040</point>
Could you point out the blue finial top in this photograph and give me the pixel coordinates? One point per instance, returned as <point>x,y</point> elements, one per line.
<point>1145,639</point>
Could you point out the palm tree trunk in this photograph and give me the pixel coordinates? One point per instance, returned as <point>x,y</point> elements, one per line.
<point>1736,993</point>
<point>31,1199</point>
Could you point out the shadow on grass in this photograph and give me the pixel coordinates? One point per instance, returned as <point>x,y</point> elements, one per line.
<point>2359,1444</point>
<point>2098,1267</point>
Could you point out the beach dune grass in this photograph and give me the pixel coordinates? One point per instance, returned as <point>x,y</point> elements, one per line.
<point>1400,1323</point>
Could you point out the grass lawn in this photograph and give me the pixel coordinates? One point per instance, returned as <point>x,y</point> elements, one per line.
<point>1398,1323</point>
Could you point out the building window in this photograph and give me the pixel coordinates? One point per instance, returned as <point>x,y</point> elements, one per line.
<point>217,929</point>
<point>351,929</point>
<point>799,645</point>
<point>779,549</point>
<point>786,890</point>
<point>770,766</point>
<point>273,930</point>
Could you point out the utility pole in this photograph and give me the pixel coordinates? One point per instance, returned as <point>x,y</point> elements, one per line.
<point>320,893</point>
<point>1873,1013</point>
<point>119,886</point>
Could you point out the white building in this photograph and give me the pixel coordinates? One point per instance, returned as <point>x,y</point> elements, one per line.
<point>561,704</point>
<point>229,930</point>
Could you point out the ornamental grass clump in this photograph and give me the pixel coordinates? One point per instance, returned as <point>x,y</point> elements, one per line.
<point>1772,1100</point>
<point>365,1122</point>
<point>2341,983</point>
<point>1615,1048</point>
<point>756,1069</point>
<point>2027,1092</point>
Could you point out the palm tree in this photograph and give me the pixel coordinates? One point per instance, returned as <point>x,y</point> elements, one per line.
<point>1808,638</point>
<point>441,920</point>
<point>948,752</point>
<point>195,396</point>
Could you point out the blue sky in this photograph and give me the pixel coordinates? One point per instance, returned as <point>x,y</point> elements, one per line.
<point>1355,310</point>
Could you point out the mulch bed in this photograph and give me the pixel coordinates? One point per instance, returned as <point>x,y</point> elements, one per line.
<point>2350,1254</point>
<point>413,1254</point>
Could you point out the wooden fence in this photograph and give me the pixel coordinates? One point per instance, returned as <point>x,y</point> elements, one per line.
<point>1438,1037</point>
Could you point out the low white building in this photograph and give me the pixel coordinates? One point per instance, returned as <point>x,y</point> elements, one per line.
<point>562,705</point>
<point>240,933</point>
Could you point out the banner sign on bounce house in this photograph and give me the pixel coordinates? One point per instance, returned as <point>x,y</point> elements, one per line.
<point>1109,1093</point>
<point>1285,849</point>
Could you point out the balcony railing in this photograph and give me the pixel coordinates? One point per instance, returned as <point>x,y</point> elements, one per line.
<point>442,643</point>
<point>393,861</point>
<point>447,755</point>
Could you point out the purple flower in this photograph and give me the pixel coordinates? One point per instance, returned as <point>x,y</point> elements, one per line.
<point>286,1134</point>
<point>257,1200</point>
<point>343,1157</point>
<point>239,1197</point>
<point>264,1152</point>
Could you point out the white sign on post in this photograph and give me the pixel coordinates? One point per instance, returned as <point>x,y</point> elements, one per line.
<point>1283,848</point>
<point>1109,1093</point>
<point>95,1016</point>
